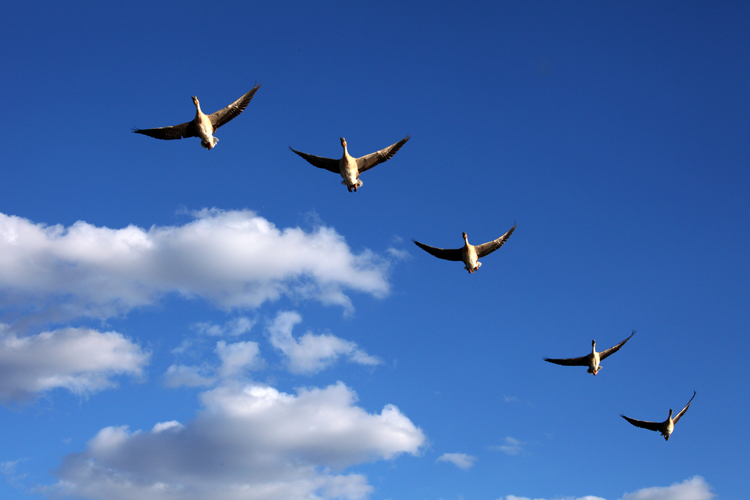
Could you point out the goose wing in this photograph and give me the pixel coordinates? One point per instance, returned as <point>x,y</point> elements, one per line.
<point>679,415</point>
<point>582,361</point>
<point>441,253</point>
<point>168,133</point>
<point>325,163</point>
<point>491,246</point>
<point>614,349</point>
<point>385,154</point>
<point>224,115</point>
<point>652,426</point>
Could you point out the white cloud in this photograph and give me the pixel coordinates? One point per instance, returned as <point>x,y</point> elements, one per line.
<point>250,442</point>
<point>691,489</point>
<point>237,357</point>
<point>232,328</point>
<point>460,460</point>
<point>233,259</point>
<point>512,446</point>
<point>587,497</point>
<point>188,376</point>
<point>80,360</point>
<point>311,353</point>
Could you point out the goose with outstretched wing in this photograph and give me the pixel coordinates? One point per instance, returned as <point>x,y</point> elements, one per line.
<point>592,359</point>
<point>349,167</point>
<point>468,254</point>
<point>667,427</point>
<point>202,125</point>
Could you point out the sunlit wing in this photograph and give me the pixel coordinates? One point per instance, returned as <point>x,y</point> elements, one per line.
<point>652,426</point>
<point>385,154</point>
<point>682,412</point>
<point>325,163</point>
<point>442,253</point>
<point>224,115</point>
<point>491,246</point>
<point>614,349</point>
<point>582,361</point>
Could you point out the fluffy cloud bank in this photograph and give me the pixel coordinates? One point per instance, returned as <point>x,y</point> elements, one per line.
<point>233,259</point>
<point>250,442</point>
<point>78,359</point>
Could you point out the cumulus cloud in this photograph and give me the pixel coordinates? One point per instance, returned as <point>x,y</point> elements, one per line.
<point>690,489</point>
<point>512,446</point>
<point>234,259</point>
<point>80,360</point>
<point>249,442</point>
<point>238,357</point>
<point>460,460</point>
<point>311,353</point>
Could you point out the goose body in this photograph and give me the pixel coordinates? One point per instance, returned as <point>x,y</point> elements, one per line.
<point>203,125</point>
<point>667,427</point>
<point>350,167</point>
<point>591,360</point>
<point>468,254</point>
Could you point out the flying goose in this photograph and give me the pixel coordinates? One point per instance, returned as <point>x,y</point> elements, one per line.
<point>350,167</point>
<point>592,359</point>
<point>203,125</point>
<point>667,427</point>
<point>469,253</point>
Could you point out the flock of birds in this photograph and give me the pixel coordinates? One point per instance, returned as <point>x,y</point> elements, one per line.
<point>350,168</point>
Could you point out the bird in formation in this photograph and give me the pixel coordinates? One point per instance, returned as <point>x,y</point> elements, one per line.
<point>349,167</point>
<point>667,427</point>
<point>202,125</point>
<point>469,254</point>
<point>592,359</point>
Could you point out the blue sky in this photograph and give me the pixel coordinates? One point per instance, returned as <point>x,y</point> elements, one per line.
<point>178,324</point>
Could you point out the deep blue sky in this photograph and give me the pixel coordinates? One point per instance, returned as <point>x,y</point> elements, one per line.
<point>615,135</point>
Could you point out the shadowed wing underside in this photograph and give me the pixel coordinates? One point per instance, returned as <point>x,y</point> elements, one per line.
<point>582,361</point>
<point>652,426</point>
<point>318,161</point>
<point>441,253</point>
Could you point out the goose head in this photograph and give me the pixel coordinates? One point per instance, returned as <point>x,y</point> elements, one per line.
<point>466,238</point>
<point>196,102</point>
<point>343,143</point>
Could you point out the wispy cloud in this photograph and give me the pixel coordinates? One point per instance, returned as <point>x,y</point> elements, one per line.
<point>311,353</point>
<point>250,442</point>
<point>80,360</point>
<point>512,446</point>
<point>695,488</point>
<point>460,460</point>
<point>231,328</point>
<point>234,259</point>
